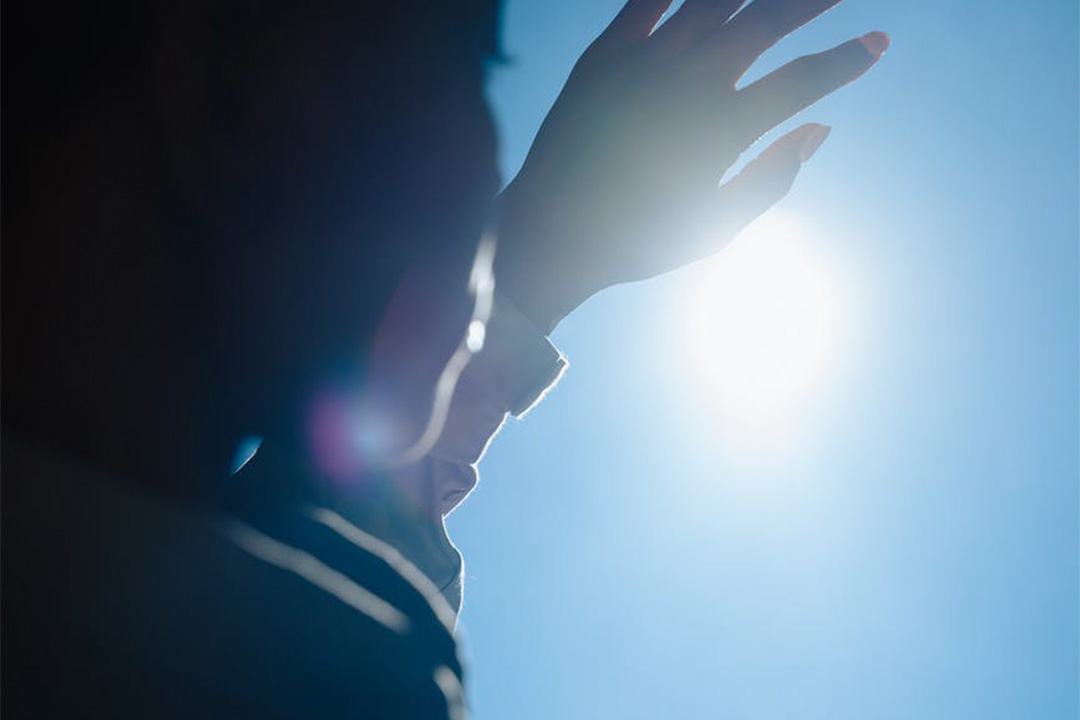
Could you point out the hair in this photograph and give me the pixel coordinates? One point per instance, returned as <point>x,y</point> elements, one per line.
<point>101,97</point>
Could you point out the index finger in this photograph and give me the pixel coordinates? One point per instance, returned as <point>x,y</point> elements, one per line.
<point>763,23</point>
<point>774,98</point>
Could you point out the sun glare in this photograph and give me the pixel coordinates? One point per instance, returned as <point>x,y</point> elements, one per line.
<point>760,324</point>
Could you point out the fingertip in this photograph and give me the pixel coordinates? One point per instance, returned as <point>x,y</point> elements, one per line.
<point>802,142</point>
<point>876,43</point>
<point>813,140</point>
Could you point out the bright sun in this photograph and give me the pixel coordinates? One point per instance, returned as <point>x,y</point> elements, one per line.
<point>761,324</point>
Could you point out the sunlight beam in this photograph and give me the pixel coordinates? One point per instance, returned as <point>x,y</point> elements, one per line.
<point>759,326</point>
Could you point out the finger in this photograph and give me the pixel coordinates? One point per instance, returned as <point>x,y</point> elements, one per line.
<point>765,180</point>
<point>774,98</point>
<point>635,21</point>
<point>694,21</point>
<point>762,24</point>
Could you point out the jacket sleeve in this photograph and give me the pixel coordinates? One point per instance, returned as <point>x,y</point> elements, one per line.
<point>508,375</point>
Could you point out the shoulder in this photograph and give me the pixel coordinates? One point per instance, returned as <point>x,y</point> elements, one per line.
<point>120,604</point>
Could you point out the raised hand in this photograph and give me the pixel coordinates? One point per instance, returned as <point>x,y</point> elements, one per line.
<point>621,181</point>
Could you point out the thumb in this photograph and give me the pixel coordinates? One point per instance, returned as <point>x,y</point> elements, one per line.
<point>766,180</point>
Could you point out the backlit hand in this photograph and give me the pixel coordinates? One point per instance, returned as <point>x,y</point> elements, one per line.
<point>621,181</point>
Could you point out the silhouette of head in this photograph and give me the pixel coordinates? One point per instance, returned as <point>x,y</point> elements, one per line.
<point>237,186</point>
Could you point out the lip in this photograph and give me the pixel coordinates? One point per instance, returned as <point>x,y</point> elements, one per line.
<point>451,500</point>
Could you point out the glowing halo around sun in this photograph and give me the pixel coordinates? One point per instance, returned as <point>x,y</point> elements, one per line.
<point>759,325</point>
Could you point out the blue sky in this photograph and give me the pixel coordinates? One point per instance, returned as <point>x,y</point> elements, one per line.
<point>915,554</point>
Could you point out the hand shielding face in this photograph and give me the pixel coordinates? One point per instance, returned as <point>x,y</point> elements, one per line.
<point>621,182</point>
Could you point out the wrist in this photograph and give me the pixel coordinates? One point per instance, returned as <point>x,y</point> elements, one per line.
<point>523,271</point>
<point>527,292</point>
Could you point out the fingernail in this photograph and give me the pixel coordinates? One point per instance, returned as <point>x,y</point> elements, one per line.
<point>876,43</point>
<point>813,141</point>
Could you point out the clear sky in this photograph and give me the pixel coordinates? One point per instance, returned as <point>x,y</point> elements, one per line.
<point>903,541</point>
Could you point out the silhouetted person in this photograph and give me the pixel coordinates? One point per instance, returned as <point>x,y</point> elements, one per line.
<point>206,209</point>
<point>226,220</point>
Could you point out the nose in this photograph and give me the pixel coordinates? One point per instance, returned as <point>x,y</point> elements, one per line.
<point>453,483</point>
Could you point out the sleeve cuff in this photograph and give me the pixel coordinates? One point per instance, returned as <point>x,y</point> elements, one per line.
<point>518,363</point>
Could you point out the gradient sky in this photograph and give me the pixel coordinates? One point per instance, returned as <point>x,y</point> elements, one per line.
<point>915,554</point>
